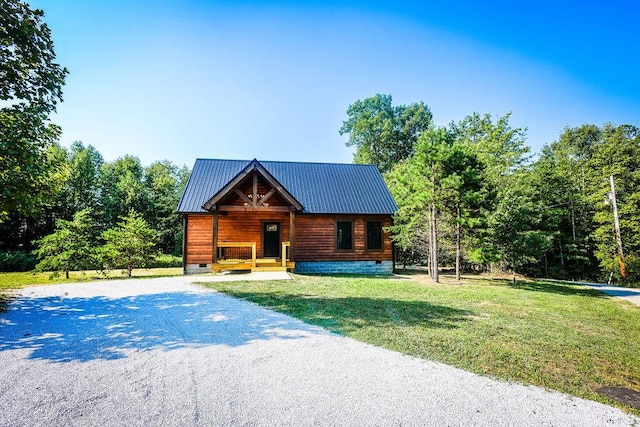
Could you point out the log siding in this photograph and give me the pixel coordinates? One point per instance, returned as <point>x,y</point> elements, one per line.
<point>199,239</point>
<point>316,238</point>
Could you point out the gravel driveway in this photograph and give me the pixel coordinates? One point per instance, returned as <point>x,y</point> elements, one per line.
<point>166,352</point>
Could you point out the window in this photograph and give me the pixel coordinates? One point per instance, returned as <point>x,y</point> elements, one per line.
<point>374,235</point>
<point>344,236</point>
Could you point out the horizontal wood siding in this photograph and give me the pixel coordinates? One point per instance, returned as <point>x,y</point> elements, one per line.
<point>315,238</point>
<point>199,239</point>
<point>247,226</point>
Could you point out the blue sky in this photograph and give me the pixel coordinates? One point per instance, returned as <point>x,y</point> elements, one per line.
<point>179,80</point>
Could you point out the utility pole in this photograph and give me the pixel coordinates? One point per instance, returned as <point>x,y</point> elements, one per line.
<point>612,197</point>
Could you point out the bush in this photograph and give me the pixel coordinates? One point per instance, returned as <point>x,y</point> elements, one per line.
<point>166,261</point>
<point>17,261</point>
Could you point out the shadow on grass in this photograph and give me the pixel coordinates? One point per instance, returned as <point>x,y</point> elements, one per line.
<point>560,289</point>
<point>67,329</point>
<point>346,314</point>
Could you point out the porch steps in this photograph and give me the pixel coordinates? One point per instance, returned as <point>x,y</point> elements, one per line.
<point>271,268</point>
<point>267,261</point>
<point>262,264</point>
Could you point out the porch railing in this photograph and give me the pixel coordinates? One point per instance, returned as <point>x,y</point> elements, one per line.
<point>237,252</point>
<point>245,253</point>
<point>286,248</point>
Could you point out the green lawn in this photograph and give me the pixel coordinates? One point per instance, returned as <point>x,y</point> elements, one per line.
<point>20,280</point>
<point>558,336</point>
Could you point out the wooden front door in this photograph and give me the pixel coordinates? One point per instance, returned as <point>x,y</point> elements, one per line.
<point>271,239</point>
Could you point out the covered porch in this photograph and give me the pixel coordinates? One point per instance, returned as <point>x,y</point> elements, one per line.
<point>243,256</point>
<point>253,223</point>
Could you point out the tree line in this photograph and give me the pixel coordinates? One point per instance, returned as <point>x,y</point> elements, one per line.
<point>471,195</point>
<point>105,194</point>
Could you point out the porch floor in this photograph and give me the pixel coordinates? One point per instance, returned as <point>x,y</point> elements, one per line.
<point>262,264</point>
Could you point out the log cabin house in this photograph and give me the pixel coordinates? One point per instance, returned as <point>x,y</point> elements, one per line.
<point>302,217</point>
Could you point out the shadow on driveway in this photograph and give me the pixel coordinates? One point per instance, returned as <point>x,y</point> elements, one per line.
<point>67,329</point>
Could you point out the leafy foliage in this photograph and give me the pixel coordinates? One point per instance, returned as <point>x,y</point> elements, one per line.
<point>30,86</point>
<point>164,183</point>
<point>384,134</point>
<point>571,181</point>
<point>16,261</point>
<point>516,230</point>
<point>498,145</point>
<point>83,180</point>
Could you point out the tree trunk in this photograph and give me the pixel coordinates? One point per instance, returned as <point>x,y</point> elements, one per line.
<point>66,274</point>
<point>430,257</point>
<point>129,268</point>
<point>436,276</point>
<point>458,250</point>
<point>430,245</point>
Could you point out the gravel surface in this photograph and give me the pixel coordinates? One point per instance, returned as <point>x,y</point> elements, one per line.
<point>166,352</point>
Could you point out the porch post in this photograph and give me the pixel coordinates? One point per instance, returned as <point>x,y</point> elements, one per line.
<point>253,255</point>
<point>292,232</point>
<point>184,243</point>
<point>214,258</point>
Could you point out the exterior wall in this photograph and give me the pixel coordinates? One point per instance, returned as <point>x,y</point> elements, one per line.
<point>315,239</point>
<point>314,246</point>
<point>199,249</point>
<point>345,267</point>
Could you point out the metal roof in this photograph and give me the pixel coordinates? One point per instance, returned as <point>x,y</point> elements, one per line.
<point>331,188</point>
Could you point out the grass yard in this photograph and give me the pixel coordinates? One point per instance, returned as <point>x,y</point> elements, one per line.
<point>557,336</point>
<point>28,278</point>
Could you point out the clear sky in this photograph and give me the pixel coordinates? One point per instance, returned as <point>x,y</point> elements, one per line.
<point>183,79</point>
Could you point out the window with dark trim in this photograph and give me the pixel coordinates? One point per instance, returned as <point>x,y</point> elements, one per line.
<point>344,235</point>
<point>374,235</point>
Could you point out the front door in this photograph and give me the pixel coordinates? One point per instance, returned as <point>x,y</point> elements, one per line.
<point>271,239</point>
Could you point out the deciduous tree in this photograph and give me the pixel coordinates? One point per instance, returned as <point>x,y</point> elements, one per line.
<point>382,133</point>
<point>30,86</point>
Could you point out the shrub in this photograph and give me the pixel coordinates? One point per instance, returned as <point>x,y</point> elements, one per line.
<point>17,261</point>
<point>166,261</point>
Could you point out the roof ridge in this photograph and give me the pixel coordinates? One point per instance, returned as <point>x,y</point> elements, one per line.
<point>286,161</point>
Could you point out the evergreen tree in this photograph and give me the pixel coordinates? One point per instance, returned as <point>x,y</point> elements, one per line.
<point>131,244</point>
<point>69,247</point>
